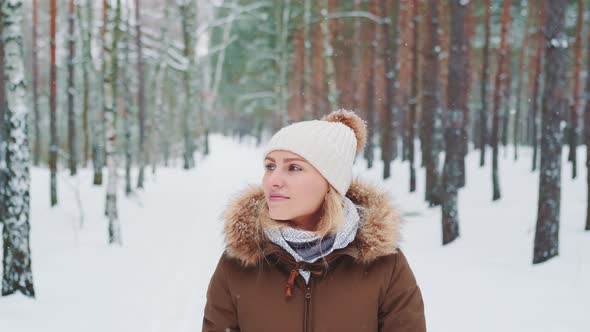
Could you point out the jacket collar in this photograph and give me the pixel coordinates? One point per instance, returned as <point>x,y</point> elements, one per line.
<point>378,233</point>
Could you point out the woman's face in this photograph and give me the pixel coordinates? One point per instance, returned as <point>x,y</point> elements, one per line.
<point>293,188</point>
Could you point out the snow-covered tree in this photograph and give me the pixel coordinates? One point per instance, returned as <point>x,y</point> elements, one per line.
<point>35,51</point>
<point>110,96</point>
<point>186,8</point>
<point>17,274</point>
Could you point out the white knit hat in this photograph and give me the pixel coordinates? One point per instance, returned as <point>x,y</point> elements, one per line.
<point>329,144</point>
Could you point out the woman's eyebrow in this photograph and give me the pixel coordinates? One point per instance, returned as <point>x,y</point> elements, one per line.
<point>293,159</point>
<point>286,160</point>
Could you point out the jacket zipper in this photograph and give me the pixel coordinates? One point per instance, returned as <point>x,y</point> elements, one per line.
<point>306,321</point>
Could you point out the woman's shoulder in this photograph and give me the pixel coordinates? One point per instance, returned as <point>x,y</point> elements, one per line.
<point>398,268</point>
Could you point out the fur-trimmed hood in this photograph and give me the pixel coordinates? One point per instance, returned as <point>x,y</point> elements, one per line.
<point>378,233</point>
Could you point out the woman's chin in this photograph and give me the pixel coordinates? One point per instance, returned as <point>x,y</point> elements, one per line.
<point>279,216</point>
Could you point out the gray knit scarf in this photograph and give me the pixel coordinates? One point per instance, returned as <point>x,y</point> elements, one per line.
<point>307,247</point>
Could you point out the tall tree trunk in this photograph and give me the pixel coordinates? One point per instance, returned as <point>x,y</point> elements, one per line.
<point>521,71</point>
<point>536,79</point>
<point>444,9</point>
<point>430,103</point>
<point>414,93</point>
<point>53,141</point>
<point>368,104</point>
<point>3,131</point>
<point>111,95</point>
<point>85,28</point>
<point>577,100</point>
<point>216,77</point>
<point>378,71</point>
<point>341,46</point>
<point>506,96</point>
<point>394,60</point>
<point>282,12</point>
<point>485,74</point>
<point>171,101</point>
<point>307,58</point>
<point>499,82</point>
<point>554,106</point>
<point>73,160</point>
<point>389,9</point>
<point>362,75</point>
<point>140,95</point>
<point>128,97</point>
<point>587,130</point>
<point>16,262</point>
<point>296,86</point>
<point>186,8</point>
<point>160,77</point>
<point>37,134</point>
<point>469,29</point>
<point>405,74</point>
<point>168,112</point>
<point>454,123</point>
<point>333,93</point>
<point>320,102</point>
<point>99,132</point>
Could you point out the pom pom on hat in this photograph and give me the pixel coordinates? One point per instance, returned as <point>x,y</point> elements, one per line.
<point>354,122</point>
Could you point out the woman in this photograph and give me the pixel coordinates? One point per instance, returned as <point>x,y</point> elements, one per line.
<point>313,250</point>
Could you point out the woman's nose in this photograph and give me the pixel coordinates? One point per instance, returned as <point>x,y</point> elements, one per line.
<point>276,179</point>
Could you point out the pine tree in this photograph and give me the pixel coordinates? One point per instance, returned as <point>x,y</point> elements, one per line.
<point>53,140</point>
<point>536,78</point>
<point>576,104</point>
<point>411,124</point>
<point>390,31</point>
<point>454,123</point>
<point>485,73</point>
<point>282,17</point>
<point>307,58</point>
<point>554,107</point>
<point>140,96</point>
<point>73,154</point>
<point>431,118</point>
<point>333,93</point>
<point>85,28</point>
<point>587,129</point>
<point>524,46</point>
<point>499,89</point>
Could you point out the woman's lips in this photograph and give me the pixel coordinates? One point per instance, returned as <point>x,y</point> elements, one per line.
<point>276,198</point>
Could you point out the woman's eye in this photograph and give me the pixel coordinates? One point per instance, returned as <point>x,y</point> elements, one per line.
<point>269,167</point>
<point>296,168</point>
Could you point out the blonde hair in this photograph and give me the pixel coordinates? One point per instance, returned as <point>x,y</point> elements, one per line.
<point>331,220</point>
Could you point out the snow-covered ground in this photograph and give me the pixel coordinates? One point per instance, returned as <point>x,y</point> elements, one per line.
<point>172,239</point>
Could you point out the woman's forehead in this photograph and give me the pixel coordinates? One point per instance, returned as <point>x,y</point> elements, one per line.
<point>284,155</point>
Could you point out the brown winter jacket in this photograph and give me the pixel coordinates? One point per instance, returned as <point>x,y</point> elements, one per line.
<point>367,286</point>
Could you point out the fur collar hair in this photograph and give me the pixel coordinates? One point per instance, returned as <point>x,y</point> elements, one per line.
<point>378,234</point>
